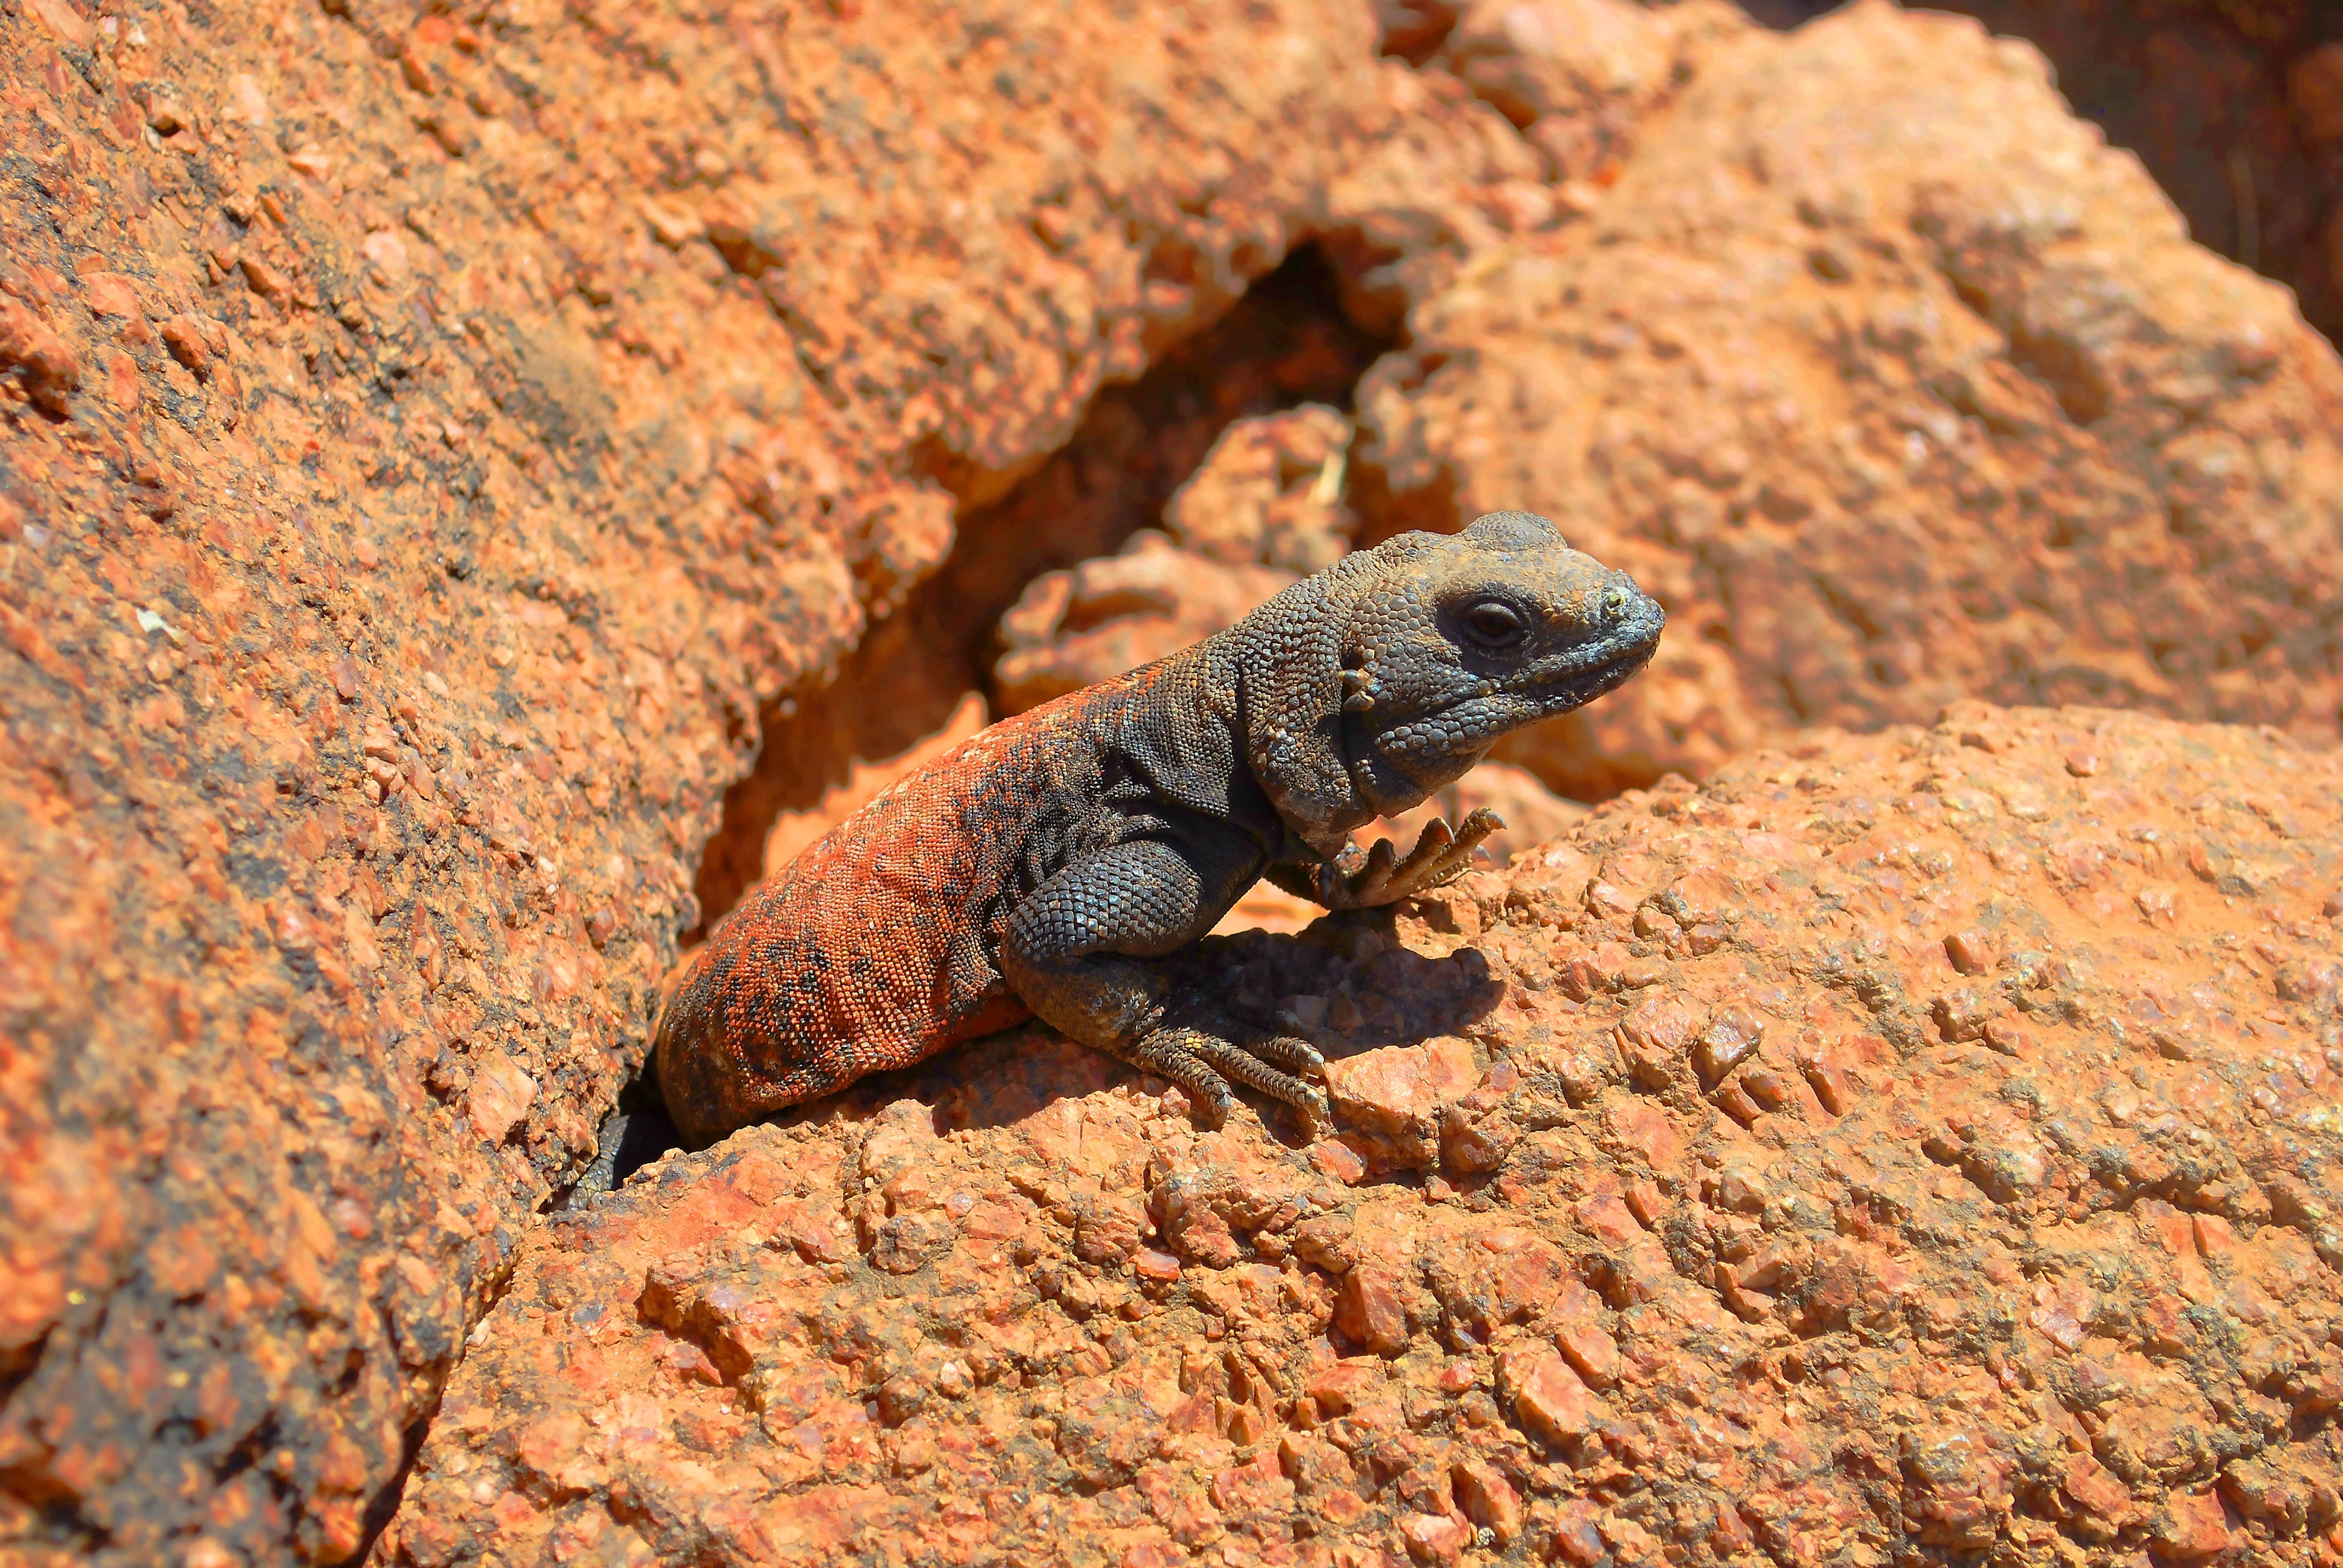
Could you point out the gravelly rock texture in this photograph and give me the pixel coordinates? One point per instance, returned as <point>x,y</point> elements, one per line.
<point>1901,1148</point>
<point>1894,385</point>
<point>426,440</point>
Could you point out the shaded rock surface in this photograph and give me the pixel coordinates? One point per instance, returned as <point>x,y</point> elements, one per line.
<point>1896,1147</point>
<point>1892,383</point>
<point>1285,343</point>
<point>428,441</point>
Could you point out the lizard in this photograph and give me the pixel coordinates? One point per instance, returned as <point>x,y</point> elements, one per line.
<point>1042,867</point>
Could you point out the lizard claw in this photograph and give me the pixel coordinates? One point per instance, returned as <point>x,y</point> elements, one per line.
<point>1442,854</point>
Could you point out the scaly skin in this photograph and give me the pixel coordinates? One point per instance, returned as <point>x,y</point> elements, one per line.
<point>1041,867</point>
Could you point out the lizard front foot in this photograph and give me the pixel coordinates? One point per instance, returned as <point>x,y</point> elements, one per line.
<point>1201,1060</point>
<point>1363,880</point>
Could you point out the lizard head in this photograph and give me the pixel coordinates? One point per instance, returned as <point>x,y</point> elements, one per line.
<point>1392,672</point>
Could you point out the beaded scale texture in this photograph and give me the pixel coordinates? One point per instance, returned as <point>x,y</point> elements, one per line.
<point>1039,869</point>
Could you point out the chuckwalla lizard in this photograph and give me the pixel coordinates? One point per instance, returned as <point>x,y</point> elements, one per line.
<point>1040,867</point>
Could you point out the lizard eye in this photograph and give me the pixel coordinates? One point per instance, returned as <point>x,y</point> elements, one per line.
<point>1494,624</point>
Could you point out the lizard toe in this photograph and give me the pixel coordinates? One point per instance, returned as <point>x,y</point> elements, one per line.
<point>1286,1052</point>
<point>1253,1073</point>
<point>1167,1054</point>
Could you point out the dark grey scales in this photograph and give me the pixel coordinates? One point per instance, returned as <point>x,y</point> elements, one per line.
<point>1043,868</point>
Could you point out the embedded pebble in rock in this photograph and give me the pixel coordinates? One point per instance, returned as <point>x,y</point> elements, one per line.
<point>1688,1201</point>
<point>1932,396</point>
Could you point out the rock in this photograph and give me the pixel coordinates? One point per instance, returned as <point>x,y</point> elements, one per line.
<point>1488,1500</point>
<point>1880,427</point>
<point>2027,1299</point>
<point>1395,1095</point>
<point>1547,1395</point>
<point>1453,182</point>
<point>2224,105</point>
<point>1579,76</point>
<point>2192,1527</point>
<point>426,448</point>
<point>2315,93</point>
<point>43,363</point>
<point>1269,493</point>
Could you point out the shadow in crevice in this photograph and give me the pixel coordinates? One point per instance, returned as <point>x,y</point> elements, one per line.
<point>1286,342</point>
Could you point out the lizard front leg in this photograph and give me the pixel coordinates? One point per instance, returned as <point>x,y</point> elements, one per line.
<point>1076,951</point>
<point>1363,879</point>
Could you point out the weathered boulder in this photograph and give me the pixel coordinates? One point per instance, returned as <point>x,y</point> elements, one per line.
<point>425,440</point>
<point>1916,1143</point>
<point>1893,383</point>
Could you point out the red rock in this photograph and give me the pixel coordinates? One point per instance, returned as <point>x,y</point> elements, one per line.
<point>1547,1394</point>
<point>47,365</point>
<point>1434,1537</point>
<point>2192,1525</point>
<point>362,748</point>
<point>1369,1311</point>
<point>614,494</point>
<point>1397,1091</point>
<point>1576,1538</point>
<point>1488,1500</point>
<point>2095,1492</point>
<point>109,294</point>
<point>1922,1206</point>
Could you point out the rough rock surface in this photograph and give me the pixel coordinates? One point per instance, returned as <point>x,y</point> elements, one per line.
<point>1896,1147</point>
<point>1893,383</point>
<point>426,440</point>
<point>1580,76</point>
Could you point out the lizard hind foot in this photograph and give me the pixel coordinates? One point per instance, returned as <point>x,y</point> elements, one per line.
<point>1202,1063</point>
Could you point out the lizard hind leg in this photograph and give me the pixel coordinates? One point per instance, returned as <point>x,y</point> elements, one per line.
<point>1082,952</point>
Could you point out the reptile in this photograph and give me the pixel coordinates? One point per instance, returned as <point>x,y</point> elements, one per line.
<point>1045,866</point>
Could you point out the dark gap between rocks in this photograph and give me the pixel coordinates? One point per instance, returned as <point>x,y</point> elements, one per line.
<point>2203,93</point>
<point>1286,342</point>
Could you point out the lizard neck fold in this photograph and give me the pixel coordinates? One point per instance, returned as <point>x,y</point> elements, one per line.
<point>1285,666</point>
